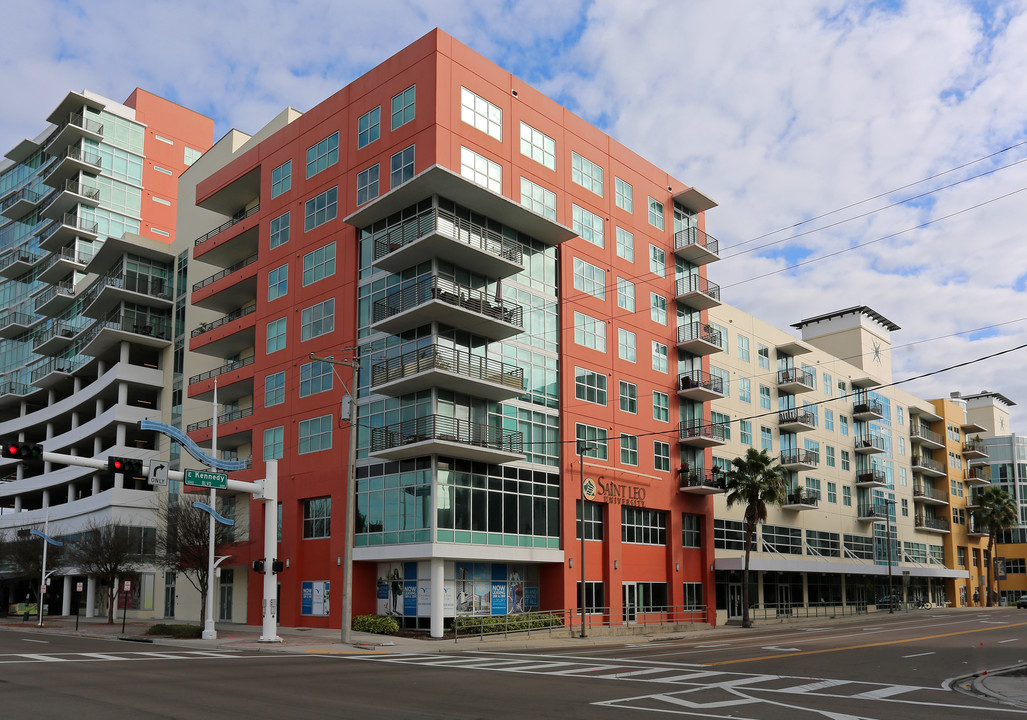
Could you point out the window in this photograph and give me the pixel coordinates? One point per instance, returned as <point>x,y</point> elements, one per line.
<point>846,496</point>
<point>319,264</point>
<point>275,335</point>
<point>628,397</point>
<point>625,294</point>
<point>625,245</point>
<point>725,379</point>
<point>661,406</point>
<point>317,518</point>
<point>693,597</point>
<point>538,199</point>
<point>829,454</point>
<point>281,178</point>
<point>401,167</point>
<point>623,194</point>
<point>279,230</point>
<point>189,155</point>
<point>480,170</point>
<point>828,385</point>
<point>593,599</point>
<point>626,345</point>
<point>763,356</point>
<point>824,544</point>
<point>589,386</point>
<point>367,184</point>
<point>588,225</point>
<point>274,439</point>
<point>661,455</point>
<point>657,260</point>
<point>594,436</point>
<point>538,146</point>
<point>766,439</point>
<point>743,347</point>
<point>832,492</point>
<point>656,217</point>
<point>589,332</point>
<point>315,377</point>
<point>828,419</point>
<point>810,372</point>
<point>643,526</point>
<point>274,389</point>
<point>586,174</point>
<point>719,418</point>
<point>369,127</point>
<point>691,530</point>
<point>764,397</point>
<point>782,539</point>
<point>728,534</point>
<point>315,434</point>
<point>745,390</point>
<point>745,431</point>
<point>403,106</point>
<point>481,114</point>
<point>845,460</point>
<point>722,335</point>
<point>905,507</point>
<point>317,319</point>
<point>628,449</point>
<point>593,520</point>
<point>589,278</point>
<point>320,209</point>
<point>659,357</point>
<point>323,155</point>
<point>658,308</point>
<point>277,282</point>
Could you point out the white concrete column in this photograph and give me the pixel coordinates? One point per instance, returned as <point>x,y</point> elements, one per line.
<point>74,418</point>
<point>71,496</point>
<point>122,393</point>
<point>438,594</point>
<point>95,489</point>
<point>46,498</point>
<point>101,368</point>
<point>47,467</point>
<point>90,597</point>
<point>76,384</point>
<point>66,602</point>
<point>123,354</point>
<point>17,502</point>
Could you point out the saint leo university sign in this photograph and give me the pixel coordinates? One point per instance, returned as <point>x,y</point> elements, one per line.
<point>603,490</point>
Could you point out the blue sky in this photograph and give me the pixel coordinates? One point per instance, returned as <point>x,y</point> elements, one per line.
<point>779,111</point>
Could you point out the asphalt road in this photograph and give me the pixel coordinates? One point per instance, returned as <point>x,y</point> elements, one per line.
<point>900,666</point>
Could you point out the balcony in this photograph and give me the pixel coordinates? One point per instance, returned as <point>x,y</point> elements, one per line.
<point>71,130</point>
<point>866,409</point>
<point>919,433</point>
<point>699,433</point>
<point>69,163</point>
<point>927,466</point>
<point>939,526</point>
<point>974,450</point>
<point>796,420</point>
<point>976,476</point>
<point>233,383</point>
<point>226,336</point>
<point>698,339</point>
<point>437,233</point>
<point>697,292</point>
<point>702,481</point>
<point>59,264</point>
<point>875,478</point>
<point>65,229</point>
<point>800,459</point>
<point>695,246</point>
<point>233,430</point>
<point>872,512</point>
<point>972,501</point>
<point>869,444</point>
<point>56,370</point>
<point>17,262</point>
<point>795,380</point>
<point>228,288</point>
<point>55,338</point>
<point>231,241</point>
<point>103,335</point>
<point>109,292</point>
<point>55,298</point>
<point>20,204</point>
<point>700,386</point>
<point>802,500</point>
<point>448,369</point>
<point>66,197</point>
<point>436,299</point>
<point>14,323</point>
<point>929,496</point>
<point>975,530</point>
<point>438,435</point>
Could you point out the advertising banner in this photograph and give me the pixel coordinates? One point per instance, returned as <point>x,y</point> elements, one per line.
<point>498,590</point>
<point>410,598</point>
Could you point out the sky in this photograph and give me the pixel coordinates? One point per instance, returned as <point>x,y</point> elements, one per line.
<point>912,116</point>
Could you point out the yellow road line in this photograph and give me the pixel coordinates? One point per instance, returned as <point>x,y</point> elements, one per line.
<point>859,647</point>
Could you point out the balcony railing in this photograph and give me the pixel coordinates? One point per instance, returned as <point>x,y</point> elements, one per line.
<point>699,284</point>
<point>224,273</point>
<point>73,221</point>
<point>74,187</point>
<point>921,491</point>
<point>700,379</point>
<point>804,497</point>
<point>78,120</point>
<point>434,287</point>
<point>26,194</point>
<point>698,331</point>
<point>437,357</point>
<point>703,478</point>
<point>62,365</point>
<point>65,289</point>
<point>22,255</point>
<point>697,428</point>
<point>796,415</point>
<point>918,431</point>
<point>796,375</point>
<point>222,419</point>
<point>158,326</point>
<point>69,254</point>
<point>872,510</point>
<point>77,154</point>
<point>800,457</point>
<point>932,523</point>
<point>226,368</point>
<point>225,225</point>
<point>875,475</point>
<point>867,406</point>
<point>978,474</point>
<point>438,427</point>
<point>58,329</point>
<point>925,462</point>
<point>449,225</point>
<point>14,388</point>
<point>869,441</point>
<point>13,317</point>
<point>975,447</point>
<point>694,236</point>
<point>230,317</point>
<point>143,284</point>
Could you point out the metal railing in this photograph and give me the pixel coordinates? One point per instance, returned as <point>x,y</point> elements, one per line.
<point>695,236</point>
<point>933,523</point>
<point>224,418</point>
<point>60,365</point>
<point>23,255</point>
<point>69,254</point>
<point>226,368</point>
<point>225,225</point>
<point>152,326</point>
<point>63,288</point>
<point>927,492</point>
<point>449,225</point>
<point>71,186</point>
<point>74,153</point>
<point>77,120</point>
<point>869,440</point>
<point>975,446</point>
<point>73,221</point>
<point>15,388</point>
<point>230,317</point>
<point>926,462</point>
<point>26,194</point>
<point>796,415</point>
<point>433,287</point>
<point>700,379</point>
<point>776,611</point>
<point>699,428</point>
<point>58,329</point>
<point>872,510</point>
<point>13,317</point>
<point>439,427</point>
<point>978,473</point>
<point>917,431</point>
<point>796,375</point>
<point>570,620</point>
<point>864,405</point>
<point>800,457</point>
<point>156,287</point>
<point>699,284</point>
<point>224,273</point>
<point>698,331</point>
<point>438,357</point>
<point>702,477</point>
<point>805,497</point>
<point>875,475</point>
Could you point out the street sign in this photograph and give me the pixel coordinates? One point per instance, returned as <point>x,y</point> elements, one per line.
<point>207,479</point>
<point>158,473</point>
<point>78,587</point>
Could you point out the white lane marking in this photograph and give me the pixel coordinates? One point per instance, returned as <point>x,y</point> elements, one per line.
<point>992,622</point>
<point>45,642</point>
<point>1009,640</point>
<point>632,673</point>
<point>919,655</point>
<point>810,687</point>
<point>881,693</point>
<point>45,658</point>
<point>780,649</point>
<point>575,671</point>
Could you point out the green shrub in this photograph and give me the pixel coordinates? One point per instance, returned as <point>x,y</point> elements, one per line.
<point>486,624</point>
<point>377,624</point>
<point>182,632</point>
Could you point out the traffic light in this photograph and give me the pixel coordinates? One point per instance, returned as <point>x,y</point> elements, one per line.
<point>276,566</point>
<point>25,451</point>
<point>128,466</point>
<point>258,566</point>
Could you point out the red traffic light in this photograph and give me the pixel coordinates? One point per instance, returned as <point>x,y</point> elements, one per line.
<point>26,451</point>
<point>129,466</point>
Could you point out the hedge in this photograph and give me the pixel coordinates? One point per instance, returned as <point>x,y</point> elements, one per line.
<point>377,624</point>
<point>182,632</point>
<point>486,624</point>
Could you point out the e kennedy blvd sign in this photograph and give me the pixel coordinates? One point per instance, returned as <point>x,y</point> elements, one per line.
<point>207,479</point>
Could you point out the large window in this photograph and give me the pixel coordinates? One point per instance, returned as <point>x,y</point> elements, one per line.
<point>661,455</point>
<point>323,155</point>
<point>317,518</point>
<point>628,449</point>
<point>589,332</point>
<point>276,335</point>
<point>480,170</point>
<point>660,357</point>
<point>623,194</point>
<point>538,199</point>
<point>656,214</point>
<point>367,184</point>
<point>281,178</point>
<point>625,245</point>
<point>538,146</point>
<point>274,439</point>
<point>315,434</point>
<point>728,534</point>
<point>589,278</point>
<point>319,264</point>
<point>369,127</point>
<point>279,230</point>
<point>274,389</point>
<point>657,308</point>
<point>643,526</point>
<point>625,294</point>
<point>691,530</point>
<point>321,208</point>
<point>661,406</point>
<point>626,349</point>
<point>403,107</point>
<point>317,319</point>
<point>657,260</point>
<point>628,397</point>
<point>824,544</point>
<point>595,437</point>
<point>315,377</point>
<point>401,167</point>
<point>588,225</point>
<point>590,386</point>
<point>593,521</point>
<point>277,282</point>
<point>481,114</point>
<point>782,539</point>
<point>587,174</point>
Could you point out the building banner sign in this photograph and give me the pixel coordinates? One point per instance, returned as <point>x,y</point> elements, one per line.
<point>315,598</point>
<point>614,493</point>
<point>498,590</point>
<point>410,598</point>
<point>424,598</point>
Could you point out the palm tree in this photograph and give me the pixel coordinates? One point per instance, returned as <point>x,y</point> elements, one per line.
<point>997,512</point>
<point>755,482</point>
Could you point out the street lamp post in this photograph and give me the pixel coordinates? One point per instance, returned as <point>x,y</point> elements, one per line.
<point>582,448</point>
<point>888,504</point>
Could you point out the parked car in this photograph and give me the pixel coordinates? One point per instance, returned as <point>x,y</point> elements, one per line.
<point>1022,602</point>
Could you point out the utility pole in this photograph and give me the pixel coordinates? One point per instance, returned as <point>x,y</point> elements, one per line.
<point>350,404</point>
<point>582,448</point>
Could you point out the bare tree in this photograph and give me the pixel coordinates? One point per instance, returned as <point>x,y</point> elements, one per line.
<point>183,537</point>
<point>107,550</point>
<point>24,553</point>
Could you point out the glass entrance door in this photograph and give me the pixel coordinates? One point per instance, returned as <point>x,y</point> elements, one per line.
<point>734,601</point>
<point>630,594</point>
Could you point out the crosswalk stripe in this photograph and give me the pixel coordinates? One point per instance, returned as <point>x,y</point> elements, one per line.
<point>887,691</point>
<point>811,687</point>
<point>631,673</point>
<point>44,658</point>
